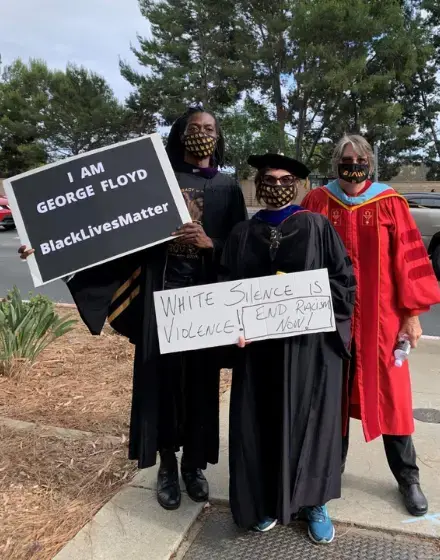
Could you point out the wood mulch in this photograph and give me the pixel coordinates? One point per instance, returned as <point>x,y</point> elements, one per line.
<point>50,485</point>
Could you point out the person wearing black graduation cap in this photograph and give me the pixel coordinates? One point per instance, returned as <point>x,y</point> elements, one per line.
<point>285,415</point>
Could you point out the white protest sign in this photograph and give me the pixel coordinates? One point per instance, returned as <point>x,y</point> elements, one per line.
<point>257,308</point>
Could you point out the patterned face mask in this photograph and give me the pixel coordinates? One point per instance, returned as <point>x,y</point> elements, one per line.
<point>353,172</point>
<point>276,196</point>
<point>199,144</point>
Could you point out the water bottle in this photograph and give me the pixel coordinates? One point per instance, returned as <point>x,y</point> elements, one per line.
<point>402,351</point>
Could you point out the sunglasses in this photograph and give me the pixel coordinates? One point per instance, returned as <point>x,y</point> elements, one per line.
<point>359,160</point>
<point>284,181</point>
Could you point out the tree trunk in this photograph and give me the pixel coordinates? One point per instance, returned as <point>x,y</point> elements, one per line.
<point>302,118</point>
<point>356,123</point>
<point>317,138</point>
<point>431,123</point>
<point>320,132</point>
<point>301,129</point>
<point>281,113</point>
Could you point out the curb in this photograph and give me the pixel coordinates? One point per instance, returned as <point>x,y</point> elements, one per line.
<point>133,525</point>
<point>57,431</point>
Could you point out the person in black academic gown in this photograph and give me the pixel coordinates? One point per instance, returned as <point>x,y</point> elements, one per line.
<point>175,396</point>
<point>285,415</point>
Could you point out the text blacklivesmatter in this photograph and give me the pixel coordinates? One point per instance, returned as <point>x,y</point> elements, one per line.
<point>83,193</point>
<point>257,309</point>
<point>91,231</point>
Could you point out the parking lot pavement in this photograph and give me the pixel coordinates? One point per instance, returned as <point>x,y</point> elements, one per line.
<point>14,272</point>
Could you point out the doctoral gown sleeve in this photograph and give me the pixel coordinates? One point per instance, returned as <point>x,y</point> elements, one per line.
<point>236,212</point>
<point>417,286</point>
<point>229,271</point>
<point>342,283</point>
<point>92,291</point>
<point>229,262</point>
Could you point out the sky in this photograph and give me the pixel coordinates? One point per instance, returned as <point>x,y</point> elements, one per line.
<point>92,33</point>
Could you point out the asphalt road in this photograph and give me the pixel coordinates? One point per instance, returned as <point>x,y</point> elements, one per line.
<point>15,272</point>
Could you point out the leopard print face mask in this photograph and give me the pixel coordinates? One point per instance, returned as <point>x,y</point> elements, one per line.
<point>199,144</point>
<point>276,196</point>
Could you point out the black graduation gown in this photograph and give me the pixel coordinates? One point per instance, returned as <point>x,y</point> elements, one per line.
<point>285,415</point>
<point>122,292</point>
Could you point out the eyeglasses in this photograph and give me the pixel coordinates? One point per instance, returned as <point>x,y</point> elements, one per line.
<point>284,181</point>
<point>359,160</point>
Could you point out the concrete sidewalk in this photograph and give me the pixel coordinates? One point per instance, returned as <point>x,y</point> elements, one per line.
<point>133,526</point>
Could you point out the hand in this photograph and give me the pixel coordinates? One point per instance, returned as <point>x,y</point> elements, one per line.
<point>412,329</point>
<point>25,252</point>
<point>242,342</point>
<point>194,234</point>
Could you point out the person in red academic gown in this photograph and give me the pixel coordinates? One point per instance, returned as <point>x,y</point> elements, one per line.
<point>395,284</point>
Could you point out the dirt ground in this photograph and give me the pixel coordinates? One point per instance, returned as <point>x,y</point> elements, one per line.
<point>50,486</point>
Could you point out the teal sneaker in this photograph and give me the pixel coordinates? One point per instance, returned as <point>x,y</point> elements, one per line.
<point>321,530</point>
<point>266,525</point>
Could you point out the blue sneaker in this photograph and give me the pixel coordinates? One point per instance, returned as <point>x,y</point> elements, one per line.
<point>266,525</point>
<point>321,530</point>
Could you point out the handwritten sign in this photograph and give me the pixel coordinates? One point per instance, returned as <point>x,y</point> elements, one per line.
<point>257,308</point>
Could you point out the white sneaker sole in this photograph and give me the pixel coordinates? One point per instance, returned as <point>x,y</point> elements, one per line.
<point>266,529</point>
<point>323,541</point>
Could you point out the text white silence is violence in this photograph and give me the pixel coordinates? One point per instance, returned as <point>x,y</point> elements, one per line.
<point>258,308</point>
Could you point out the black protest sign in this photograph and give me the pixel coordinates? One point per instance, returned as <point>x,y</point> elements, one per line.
<point>96,207</point>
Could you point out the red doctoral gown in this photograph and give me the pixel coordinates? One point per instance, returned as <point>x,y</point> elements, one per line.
<point>395,279</point>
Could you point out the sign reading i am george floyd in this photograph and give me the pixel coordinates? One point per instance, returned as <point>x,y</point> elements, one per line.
<point>96,207</point>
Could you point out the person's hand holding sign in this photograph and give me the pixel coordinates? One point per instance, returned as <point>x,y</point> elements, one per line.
<point>242,342</point>
<point>194,234</point>
<point>25,252</point>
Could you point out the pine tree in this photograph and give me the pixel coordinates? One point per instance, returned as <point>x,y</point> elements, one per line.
<point>24,98</point>
<point>194,56</point>
<point>319,68</point>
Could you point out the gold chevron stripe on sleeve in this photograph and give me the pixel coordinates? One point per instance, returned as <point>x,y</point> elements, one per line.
<point>124,305</point>
<point>126,284</point>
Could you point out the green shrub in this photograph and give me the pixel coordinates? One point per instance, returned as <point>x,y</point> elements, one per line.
<point>26,329</point>
<point>38,300</point>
